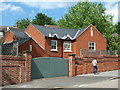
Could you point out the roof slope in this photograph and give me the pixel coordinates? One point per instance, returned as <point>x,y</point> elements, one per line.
<point>19,41</point>
<point>19,33</point>
<point>81,31</point>
<point>61,33</point>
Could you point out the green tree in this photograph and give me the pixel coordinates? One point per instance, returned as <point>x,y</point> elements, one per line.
<point>118,28</point>
<point>86,13</point>
<point>117,25</point>
<point>42,19</point>
<point>23,23</point>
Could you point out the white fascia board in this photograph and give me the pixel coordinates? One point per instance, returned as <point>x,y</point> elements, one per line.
<point>67,36</point>
<point>55,35</point>
<point>8,42</point>
<point>76,34</point>
<point>28,34</point>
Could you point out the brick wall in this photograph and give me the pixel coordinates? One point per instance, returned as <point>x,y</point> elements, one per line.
<point>16,69</point>
<point>83,65</point>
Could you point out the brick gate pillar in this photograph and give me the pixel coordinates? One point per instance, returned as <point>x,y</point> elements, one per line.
<point>27,57</point>
<point>71,65</point>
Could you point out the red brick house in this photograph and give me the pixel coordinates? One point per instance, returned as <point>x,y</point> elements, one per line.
<point>55,42</point>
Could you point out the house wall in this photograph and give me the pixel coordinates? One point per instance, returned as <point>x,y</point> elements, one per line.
<point>85,37</point>
<point>9,37</point>
<point>37,36</point>
<point>57,53</point>
<point>37,51</point>
<point>60,45</point>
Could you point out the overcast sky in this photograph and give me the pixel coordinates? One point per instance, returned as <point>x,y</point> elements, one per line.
<point>12,10</point>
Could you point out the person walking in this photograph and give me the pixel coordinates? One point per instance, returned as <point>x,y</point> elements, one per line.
<point>94,62</point>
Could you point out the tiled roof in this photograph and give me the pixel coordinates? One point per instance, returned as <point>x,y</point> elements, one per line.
<point>19,41</point>
<point>19,33</point>
<point>60,33</point>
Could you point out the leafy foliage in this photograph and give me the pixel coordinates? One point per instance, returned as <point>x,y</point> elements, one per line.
<point>86,13</point>
<point>118,28</point>
<point>42,19</point>
<point>23,23</point>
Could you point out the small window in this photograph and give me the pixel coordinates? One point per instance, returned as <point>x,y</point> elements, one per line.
<point>53,45</point>
<point>91,46</point>
<point>91,31</point>
<point>30,47</point>
<point>67,46</point>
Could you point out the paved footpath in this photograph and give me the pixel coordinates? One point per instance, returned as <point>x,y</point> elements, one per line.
<point>112,82</point>
<point>114,73</point>
<point>102,80</point>
<point>102,84</point>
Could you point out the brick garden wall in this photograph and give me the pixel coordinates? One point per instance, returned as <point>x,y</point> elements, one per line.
<point>83,65</point>
<point>16,69</point>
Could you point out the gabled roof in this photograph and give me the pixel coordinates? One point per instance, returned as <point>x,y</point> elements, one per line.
<point>19,41</point>
<point>19,33</point>
<point>61,33</point>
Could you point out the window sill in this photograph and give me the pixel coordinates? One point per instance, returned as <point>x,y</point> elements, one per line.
<point>54,50</point>
<point>67,51</point>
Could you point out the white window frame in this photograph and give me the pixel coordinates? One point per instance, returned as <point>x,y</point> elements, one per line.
<point>66,42</point>
<point>55,46</point>
<point>92,46</point>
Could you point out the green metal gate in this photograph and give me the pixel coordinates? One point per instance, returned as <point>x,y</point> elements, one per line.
<point>46,67</point>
